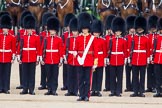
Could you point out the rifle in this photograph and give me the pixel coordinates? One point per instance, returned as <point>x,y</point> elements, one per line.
<point>132,48</point>
<point>154,50</point>
<point>110,46</point>
<point>21,47</point>
<point>44,49</point>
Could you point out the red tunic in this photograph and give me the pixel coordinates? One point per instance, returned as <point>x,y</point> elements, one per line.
<point>54,50</point>
<point>81,43</point>
<point>7,47</point>
<point>158,53</point>
<point>119,51</point>
<point>31,48</point>
<point>101,43</point>
<point>141,50</point>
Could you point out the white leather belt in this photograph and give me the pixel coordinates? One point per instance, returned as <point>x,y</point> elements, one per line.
<point>140,51</point>
<point>100,52</point>
<point>1,50</point>
<point>51,50</point>
<point>27,49</point>
<point>72,52</point>
<point>117,53</point>
<point>159,51</point>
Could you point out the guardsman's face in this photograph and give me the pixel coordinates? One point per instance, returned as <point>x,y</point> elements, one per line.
<point>5,30</point>
<point>131,31</point>
<point>118,33</point>
<point>75,33</point>
<point>29,31</point>
<point>96,34</point>
<point>85,30</point>
<point>153,30</point>
<point>140,30</point>
<point>52,32</point>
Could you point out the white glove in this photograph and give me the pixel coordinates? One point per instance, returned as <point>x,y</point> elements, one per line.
<point>125,61</point>
<point>129,61</point>
<point>148,60</point>
<point>108,61</point>
<point>18,57</point>
<point>13,56</point>
<point>151,58</point>
<point>105,61</point>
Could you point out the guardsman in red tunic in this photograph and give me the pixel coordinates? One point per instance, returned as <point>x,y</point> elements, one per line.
<point>97,30</point>
<point>43,35</point>
<point>87,53</point>
<point>7,53</point>
<point>117,56</point>
<point>65,35</point>
<point>71,59</point>
<point>152,27</point>
<point>21,32</point>
<point>109,35</point>
<point>140,57</point>
<point>157,59</point>
<point>52,55</point>
<point>28,54</point>
<point>128,68</point>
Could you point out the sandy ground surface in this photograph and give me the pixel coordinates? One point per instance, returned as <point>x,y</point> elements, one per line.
<point>15,100</point>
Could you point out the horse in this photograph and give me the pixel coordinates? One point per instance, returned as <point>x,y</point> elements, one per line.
<point>129,7</point>
<point>146,8</point>
<point>15,9</point>
<point>126,7</point>
<point>105,8</point>
<point>36,7</point>
<point>156,8</point>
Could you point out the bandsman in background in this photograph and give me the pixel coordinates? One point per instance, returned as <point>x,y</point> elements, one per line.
<point>43,35</point>
<point>87,53</point>
<point>7,53</point>
<point>97,30</point>
<point>28,54</point>
<point>140,57</point>
<point>152,27</point>
<point>157,59</point>
<point>117,56</point>
<point>20,34</point>
<point>71,59</point>
<point>52,55</point>
<point>108,37</point>
<point>65,35</point>
<point>128,68</point>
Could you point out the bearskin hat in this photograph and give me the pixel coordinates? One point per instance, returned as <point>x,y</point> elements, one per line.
<point>97,26</point>
<point>140,22</point>
<point>6,21</point>
<point>29,22</point>
<point>3,13</point>
<point>67,19</point>
<point>160,24</point>
<point>45,16</point>
<point>108,21</point>
<point>84,21</point>
<point>130,21</point>
<point>118,24</point>
<point>24,13</point>
<point>152,21</point>
<point>73,24</point>
<point>53,24</point>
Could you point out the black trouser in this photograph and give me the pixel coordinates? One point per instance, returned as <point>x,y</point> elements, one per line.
<point>116,77</point>
<point>72,79</point>
<point>43,82</point>
<point>97,79</point>
<point>84,81</point>
<point>5,73</point>
<point>150,77</point>
<point>20,75</point>
<point>158,75</point>
<point>107,77</point>
<point>52,76</point>
<point>29,76</point>
<point>65,74</point>
<point>128,70</point>
<point>138,79</point>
